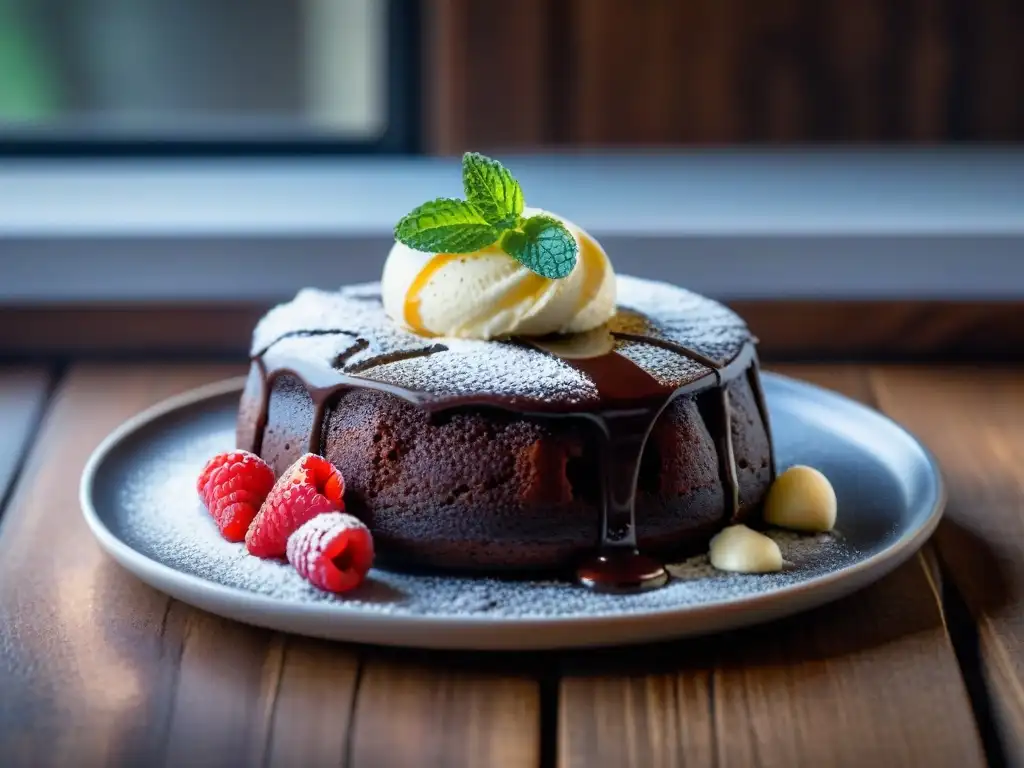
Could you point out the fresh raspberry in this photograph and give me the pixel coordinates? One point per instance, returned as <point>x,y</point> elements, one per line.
<point>334,551</point>
<point>233,486</point>
<point>310,486</point>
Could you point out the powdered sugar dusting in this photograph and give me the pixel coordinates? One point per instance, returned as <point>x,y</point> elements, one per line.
<point>667,367</point>
<point>314,535</point>
<point>328,348</point>
<point>159,514</point>
<point>498,368</point>
<point>311,311</point>
<point>675,314</point>
<point>348,329</point>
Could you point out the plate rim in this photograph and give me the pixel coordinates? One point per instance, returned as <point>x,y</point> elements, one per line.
<point>387,629</point>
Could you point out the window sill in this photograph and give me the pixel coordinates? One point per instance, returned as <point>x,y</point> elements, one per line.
<point>737,225</point>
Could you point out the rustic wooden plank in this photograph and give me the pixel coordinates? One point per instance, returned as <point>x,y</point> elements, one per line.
<point>95,667</point>
<point>871,679</point>
<point>313,708</point>
<point>22,396</point>
<point>973,420</point>
<point>434,711</point>
<point>638,717</point>
<point>221,693</point>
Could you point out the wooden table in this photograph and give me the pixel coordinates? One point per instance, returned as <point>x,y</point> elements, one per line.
<point>925,668</point>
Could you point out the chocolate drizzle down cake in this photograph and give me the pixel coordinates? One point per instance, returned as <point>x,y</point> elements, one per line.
<point>483,455</point>
<point>501,401</point>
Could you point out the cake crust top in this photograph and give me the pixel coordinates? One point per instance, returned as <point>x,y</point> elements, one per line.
<point>675,336</point>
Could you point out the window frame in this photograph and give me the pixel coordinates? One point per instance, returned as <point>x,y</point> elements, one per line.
<point>402,134</point>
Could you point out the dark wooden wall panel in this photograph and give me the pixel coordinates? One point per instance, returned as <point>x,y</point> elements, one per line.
<point>667,72</point>
<point>487,72</point>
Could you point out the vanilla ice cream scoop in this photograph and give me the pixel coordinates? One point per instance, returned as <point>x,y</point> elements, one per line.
<point>488,294</point>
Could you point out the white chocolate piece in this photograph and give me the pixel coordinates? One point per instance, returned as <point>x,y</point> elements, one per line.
<point>801,499</point>
<point>742,550</point>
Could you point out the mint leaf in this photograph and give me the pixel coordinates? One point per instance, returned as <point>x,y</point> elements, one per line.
<point>492,212</point>
<point>492,190</point>
<point>445,226</point>
<point>544,245</point>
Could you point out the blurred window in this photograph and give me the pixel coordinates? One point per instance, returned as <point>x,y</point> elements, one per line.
<point>193,73</point>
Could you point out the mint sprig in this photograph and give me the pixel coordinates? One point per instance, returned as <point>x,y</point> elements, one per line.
<point>491,213</point>
<point>446,226</point>
<point>492,190</point>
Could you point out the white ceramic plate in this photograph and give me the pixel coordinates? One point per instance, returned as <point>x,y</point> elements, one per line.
<point>139,499</point>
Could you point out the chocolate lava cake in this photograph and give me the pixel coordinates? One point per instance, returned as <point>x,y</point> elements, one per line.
<point>499,455</point>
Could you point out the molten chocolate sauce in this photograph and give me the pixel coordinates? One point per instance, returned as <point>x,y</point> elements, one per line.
<point>621,571</point>
<point>630,402</point>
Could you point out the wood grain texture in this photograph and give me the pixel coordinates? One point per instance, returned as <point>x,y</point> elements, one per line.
<point>871,679</point>
<point>488,74</point>
<point>98,669</point>
<point>622,51</point>
<point>993,33</point>
<point>312,713</point>
<point>638,717</point>
<point>788,329</point>
<point>23,393</point>
<point>436,712</point>
<point>973,420</point>
<point>90,658</point>
<point>666,72</point>
<point>445,110</point>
